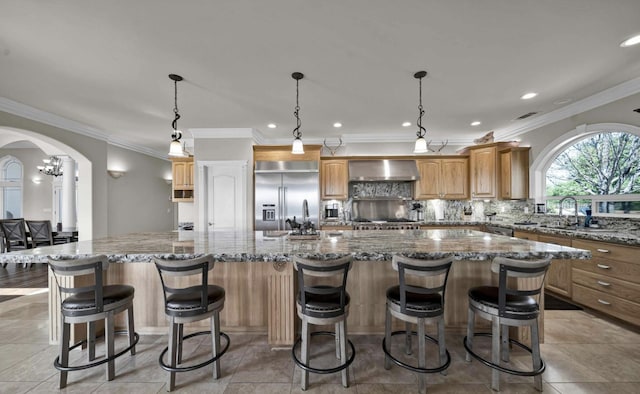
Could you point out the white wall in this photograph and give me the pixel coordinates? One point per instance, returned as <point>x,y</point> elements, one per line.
<point>140,200</point>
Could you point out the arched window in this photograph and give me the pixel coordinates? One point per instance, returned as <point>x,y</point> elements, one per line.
<point>601,170</point>
<point>10,187</point>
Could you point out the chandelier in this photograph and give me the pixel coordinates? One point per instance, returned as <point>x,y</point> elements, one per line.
<point>52,166</point>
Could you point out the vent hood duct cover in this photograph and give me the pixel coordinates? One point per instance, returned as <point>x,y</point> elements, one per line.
<point>383,170</point>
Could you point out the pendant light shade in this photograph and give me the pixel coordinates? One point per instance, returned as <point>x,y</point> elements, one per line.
<point>421,143</point>
<point>175,148</point>
<point>297,148</point>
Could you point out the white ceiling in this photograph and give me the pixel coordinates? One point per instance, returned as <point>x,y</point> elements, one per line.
<point>104,64</point>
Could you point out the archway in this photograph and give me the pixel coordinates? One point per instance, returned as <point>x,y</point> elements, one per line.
<point>53,147</point>
<point>544,160</point>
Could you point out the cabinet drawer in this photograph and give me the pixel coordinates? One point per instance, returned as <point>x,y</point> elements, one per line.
<point>616,287</point>
<point>615,269</point>
<point>609,251</point>
<point>612,305</point>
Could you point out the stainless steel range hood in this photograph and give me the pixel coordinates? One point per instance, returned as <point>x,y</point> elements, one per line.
<point>383,170</point>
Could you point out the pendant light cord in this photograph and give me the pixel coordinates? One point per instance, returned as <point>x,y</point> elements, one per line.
<point>174,124</point>
<point>296,131</point>
<point>421,130</point>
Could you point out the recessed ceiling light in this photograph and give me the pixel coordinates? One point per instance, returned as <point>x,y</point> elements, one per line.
<point>272,125</point>
<point>406,124</point>
<point>631,41</point>
<point>528,96</point>
<point>476,123</point>
<point>337,125</point>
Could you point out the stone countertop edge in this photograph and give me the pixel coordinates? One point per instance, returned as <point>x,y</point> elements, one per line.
<point>249,246</point>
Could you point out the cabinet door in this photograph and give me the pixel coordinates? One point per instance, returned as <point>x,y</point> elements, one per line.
<point>483,172</point>
<point>559,274</point>
<point>179,172</point>
<point>454,178</point>
<point>188,174</point>
<point>334,175</point>
<point>429,184</point>
<point>514,174</point>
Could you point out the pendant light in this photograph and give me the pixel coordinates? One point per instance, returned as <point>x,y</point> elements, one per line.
<point>297,148</point>
<point>421,143</point>
<point>175,149</point>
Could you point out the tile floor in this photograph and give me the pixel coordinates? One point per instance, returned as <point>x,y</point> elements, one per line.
<point>584,354</point>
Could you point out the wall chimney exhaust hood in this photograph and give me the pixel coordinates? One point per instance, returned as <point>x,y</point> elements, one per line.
<point>383,170</point>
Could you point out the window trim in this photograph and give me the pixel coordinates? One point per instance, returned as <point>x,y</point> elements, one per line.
<point>4,161</point>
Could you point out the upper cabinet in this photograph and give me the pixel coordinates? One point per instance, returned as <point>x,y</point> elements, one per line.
<point>514,174</point>
<point>182,185</point>
<point>334,179</point>
<point>499,170</point>
<point>443,178</point>
<point>483,163</point>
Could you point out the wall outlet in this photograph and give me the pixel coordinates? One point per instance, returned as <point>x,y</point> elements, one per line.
<point>526,210</point>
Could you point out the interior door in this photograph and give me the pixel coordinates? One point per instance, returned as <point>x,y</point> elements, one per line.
<point>226,197</point>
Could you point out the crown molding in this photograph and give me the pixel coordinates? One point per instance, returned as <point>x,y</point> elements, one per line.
<point>229,133</point>
<point>28,112</point>
<point>604,97</point>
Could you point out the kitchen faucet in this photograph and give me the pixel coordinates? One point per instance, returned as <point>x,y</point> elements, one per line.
<point>575,208</point>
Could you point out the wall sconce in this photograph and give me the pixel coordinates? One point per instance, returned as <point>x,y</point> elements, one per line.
<point>115,174</point>
<point>169,181</point>
<point>37,181</point>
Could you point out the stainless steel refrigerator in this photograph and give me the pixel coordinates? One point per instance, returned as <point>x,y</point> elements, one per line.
<point>280,190</point>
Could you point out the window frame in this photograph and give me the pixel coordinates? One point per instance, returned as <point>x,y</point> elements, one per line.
<point>4,183</point>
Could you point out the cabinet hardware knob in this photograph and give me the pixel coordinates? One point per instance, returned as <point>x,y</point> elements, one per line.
<point>601,283</point>
<point>603,302</point>
<point>603,250</point>
<point>604,267</point>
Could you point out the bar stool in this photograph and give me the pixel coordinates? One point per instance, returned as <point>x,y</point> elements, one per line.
<point>322,302</point>
<point>506,307</point>
<point>88,304</point>
<point>418,305</point>
<point>186,302</point>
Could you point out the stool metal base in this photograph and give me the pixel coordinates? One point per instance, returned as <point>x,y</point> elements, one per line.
<point>499,367</point>
<point>409,366</point>
<point>323,370</point>
<point>59,367</point>
<point>197,366</point>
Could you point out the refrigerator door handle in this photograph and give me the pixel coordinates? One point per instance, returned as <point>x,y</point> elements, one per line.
<point>284,207</point>
<point>279,213</point>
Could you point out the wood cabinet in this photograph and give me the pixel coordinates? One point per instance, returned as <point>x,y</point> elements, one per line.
<point>483,163</point>
<point>488,169</point>
<point>334,179</point>
<point>182,184</point>
<point>443,178</point>
<point>610,281</point>
<point>559,275</point>
<point>558,279</point>
<point>514,174</point>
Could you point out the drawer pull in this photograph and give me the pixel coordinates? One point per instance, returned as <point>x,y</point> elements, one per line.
<point>604,267</point>
<point>601,283</point>
<point>603,250</point>
<point>603,302</point>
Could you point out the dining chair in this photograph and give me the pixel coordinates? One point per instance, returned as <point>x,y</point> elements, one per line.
<point>15,235</point>
<point>41,233</point>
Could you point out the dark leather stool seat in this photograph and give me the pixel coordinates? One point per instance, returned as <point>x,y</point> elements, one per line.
<point>323,304</point>
<point>89,304</point>
<point>505,306</point>
<point>187,304</point>
<point>419,305</point>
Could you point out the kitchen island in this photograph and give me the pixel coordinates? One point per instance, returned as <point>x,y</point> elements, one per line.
<point>256,272</point>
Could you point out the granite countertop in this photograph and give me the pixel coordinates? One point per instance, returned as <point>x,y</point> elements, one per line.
<point>376,245</point>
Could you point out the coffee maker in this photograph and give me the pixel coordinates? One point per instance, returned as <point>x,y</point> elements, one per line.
<point>331,211</point>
